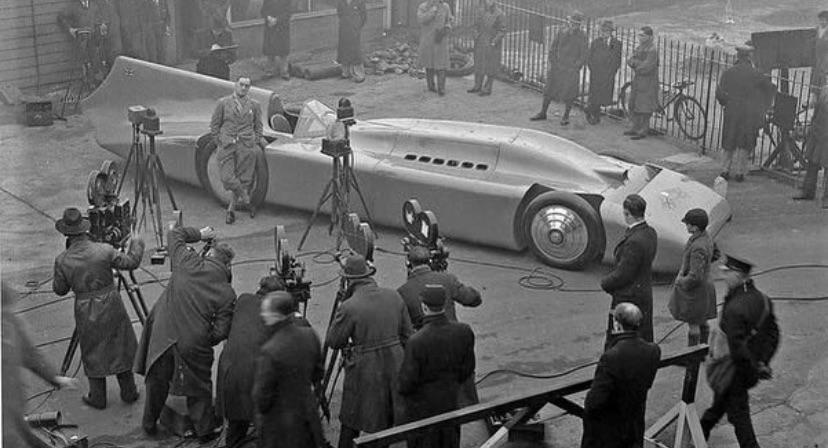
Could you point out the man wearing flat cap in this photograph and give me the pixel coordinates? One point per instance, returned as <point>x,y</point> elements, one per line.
<point>603,61</point>
<point>192,315</point>
<point>644,90</point>
<point>745,94</point>
<point>567,54</point>
<point>749,324</point>
<point>438,359</point>
<point>107,340</point>
<point>693,298</point>
<point>288,366</point>
<point>373,323</point>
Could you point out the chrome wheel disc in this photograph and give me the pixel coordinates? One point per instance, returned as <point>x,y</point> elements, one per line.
<point>559,233</point>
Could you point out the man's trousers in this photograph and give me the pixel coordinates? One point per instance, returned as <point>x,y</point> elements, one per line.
<point>733,402</point>
<point>237,163</point>
<point>734,161</point>
<point>159,376</point>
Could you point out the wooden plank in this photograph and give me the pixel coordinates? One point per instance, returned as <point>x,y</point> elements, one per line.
<point>43,59</point>
<point>28,32</point>
<point>27,51</point>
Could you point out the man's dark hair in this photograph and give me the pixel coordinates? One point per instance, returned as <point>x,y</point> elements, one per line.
<point>281,302</point>
<point>628,315</point>
<point>418,255</point>
<point>224,253</point>
<point>823,14</point>
<point>635,205</point>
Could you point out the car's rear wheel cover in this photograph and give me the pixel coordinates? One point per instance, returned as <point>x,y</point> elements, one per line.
<point>207,168</point>
<point>562,230</point>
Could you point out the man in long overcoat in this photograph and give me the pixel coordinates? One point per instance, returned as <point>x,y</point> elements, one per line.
<point>276,44</point>
<point>373,324</point>
<point>156,24</point>
<point>132,29</point>
<point>631,277</point>
<point>192,315</point>
<point>438,359</point>
<point>603,61</point>
<point>745,94</point>
<point>83,21</point>
<point>237,363</point>
<point>435,19</point>
<point>288,366</point>
<point>645,88</point>
<point>615,405</point>
<point>815,148</point>
<point>107,340</point>
<point>820,68</point>
<point>490,28</point>
<point>567,54</point>
<point>694,295</point>
<point>749,323</point>
<point>352,17</point>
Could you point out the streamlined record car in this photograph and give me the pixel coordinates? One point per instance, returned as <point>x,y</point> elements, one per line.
<point>493,185</point>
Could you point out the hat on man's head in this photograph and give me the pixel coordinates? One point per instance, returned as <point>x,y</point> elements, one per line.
<point>696,217</point>
<point>356,267</point>
<point>745,48</point>
<point>736,264</point>
<point>434,296</point>
<point>271,283</point>
<point>823,15</point>
<point>72,223</point>
<point>224,252</point>
<point>607,25</point>
<point>646,30</point>
<point>576,17</point>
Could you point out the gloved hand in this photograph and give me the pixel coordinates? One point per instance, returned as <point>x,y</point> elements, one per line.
<point>208,233</point>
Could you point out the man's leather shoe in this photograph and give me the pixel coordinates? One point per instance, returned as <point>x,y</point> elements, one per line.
<point>564,121</point>
<point>230,218</point>
<point>130,397</point>
<point>638,136</point>
<point>252,209</point>
<point>630,132</point>
<point>803,197</point>
<point>739,178</point>
<point>538,117</point>
<point>93,404</point>
<point>474,89</point>
<point>725,175</point>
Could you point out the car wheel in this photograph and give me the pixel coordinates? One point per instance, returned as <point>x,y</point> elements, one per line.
<point>207,169</point>
<point>563,230</point>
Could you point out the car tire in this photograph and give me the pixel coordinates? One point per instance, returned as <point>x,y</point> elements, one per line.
<point>207,171</point>
<point>563,230</point>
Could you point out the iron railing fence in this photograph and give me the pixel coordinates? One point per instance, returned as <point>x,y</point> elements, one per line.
<point>531,27</point>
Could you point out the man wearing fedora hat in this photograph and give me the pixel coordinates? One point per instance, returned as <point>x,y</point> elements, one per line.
<point>107,341</point>
<point>438,359</point>
<point>603,61</point>
<point>192,316</point>
<point>374,324</point>
<point>567,55</point>
<point>752,333</point>
<point>693,299</point>
<point>745,94</point>
<point>644,90</point>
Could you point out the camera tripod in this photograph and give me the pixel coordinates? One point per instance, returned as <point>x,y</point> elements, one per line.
<point>330,378</point>
<point>136,298</point>
<point>338,189</point>
<point>149,172</point>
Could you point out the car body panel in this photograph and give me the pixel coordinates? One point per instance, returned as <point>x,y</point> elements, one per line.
<point>474,177</point>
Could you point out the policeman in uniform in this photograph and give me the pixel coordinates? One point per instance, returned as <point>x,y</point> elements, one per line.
<point>237,128</point>
<point>105,334</point>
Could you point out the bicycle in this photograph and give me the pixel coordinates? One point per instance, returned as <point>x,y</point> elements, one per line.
<point>688,112</point>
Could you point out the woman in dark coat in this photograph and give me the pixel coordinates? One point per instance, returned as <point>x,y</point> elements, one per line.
<point>276,46</point>
<point>352,17</point>
<point>490,27</point>
<point>603,61</point>
<point>567,55</point>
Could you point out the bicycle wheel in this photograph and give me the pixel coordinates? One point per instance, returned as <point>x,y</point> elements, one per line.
<point>624,98</point>
<point>691,117</point>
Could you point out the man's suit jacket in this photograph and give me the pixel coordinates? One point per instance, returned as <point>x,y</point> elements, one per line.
<point>615,404</point>
<point>630,279</point>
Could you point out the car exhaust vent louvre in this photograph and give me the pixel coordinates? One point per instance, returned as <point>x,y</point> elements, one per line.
<point>410,157</point>
<point>482,167</point>
<point>452,163</point>
<point>467,165</point>
<point>425,159</point>
<point>438,161</point>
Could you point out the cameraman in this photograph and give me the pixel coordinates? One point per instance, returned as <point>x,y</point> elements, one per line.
<point>107,341</point>
<point>192,315</point>
<point>420,275</point>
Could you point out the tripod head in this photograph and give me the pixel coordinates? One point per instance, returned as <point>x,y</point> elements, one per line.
<point>423,231</point>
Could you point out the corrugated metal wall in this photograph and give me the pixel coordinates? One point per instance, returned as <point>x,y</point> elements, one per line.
<point>33,50</point>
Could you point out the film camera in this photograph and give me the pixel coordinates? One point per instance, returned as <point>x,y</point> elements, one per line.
<point>422,229</point>
<point>290,270</point>
<point>141,116</point>
<point>338,142</point>
<point>110,219</point>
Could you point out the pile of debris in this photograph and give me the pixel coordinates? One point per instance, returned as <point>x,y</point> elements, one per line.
<point>399,58</point>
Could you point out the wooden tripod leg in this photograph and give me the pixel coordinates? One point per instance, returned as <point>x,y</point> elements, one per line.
<point>70,353</point>
<point>662,423</point>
